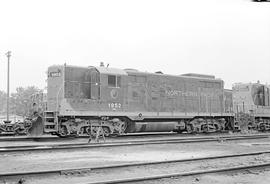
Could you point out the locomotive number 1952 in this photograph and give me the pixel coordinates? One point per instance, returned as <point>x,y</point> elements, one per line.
<point>114,105</point>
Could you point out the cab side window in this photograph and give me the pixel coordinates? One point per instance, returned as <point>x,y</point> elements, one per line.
<point>114,81</point>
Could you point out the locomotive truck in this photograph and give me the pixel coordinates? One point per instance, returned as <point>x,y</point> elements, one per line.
<point>82,99</point>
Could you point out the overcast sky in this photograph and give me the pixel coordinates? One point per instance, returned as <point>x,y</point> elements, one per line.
<point>226,38</point>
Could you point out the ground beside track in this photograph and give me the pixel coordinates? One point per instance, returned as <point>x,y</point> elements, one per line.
<point>257,176</point>
<point>106,175</point>
<point>27,161</point>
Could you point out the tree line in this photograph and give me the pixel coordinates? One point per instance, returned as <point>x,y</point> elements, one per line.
<point>19,101</point>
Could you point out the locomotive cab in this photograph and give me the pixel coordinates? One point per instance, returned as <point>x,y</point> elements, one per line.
<point>82,93</point>
<point>70,84</point>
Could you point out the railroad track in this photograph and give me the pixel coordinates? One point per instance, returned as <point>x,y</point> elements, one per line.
<point>96,174</point>
<point>128,143</point>
<point>26,138</point>
<point>122,136</point>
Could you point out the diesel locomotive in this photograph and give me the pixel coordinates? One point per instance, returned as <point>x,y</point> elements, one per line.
<point>251,104</point>
<point>82,99</point>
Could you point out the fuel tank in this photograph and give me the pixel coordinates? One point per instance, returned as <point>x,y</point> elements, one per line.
<point>155,126</point>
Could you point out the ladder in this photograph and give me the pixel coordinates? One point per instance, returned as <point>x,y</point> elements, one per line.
<point>50,121</point>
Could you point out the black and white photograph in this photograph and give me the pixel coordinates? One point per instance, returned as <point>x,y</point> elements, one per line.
<point>134,91</point>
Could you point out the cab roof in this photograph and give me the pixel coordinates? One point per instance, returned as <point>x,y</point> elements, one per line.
<point>113,71</point>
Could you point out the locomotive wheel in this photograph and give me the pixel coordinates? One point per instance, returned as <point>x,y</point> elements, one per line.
<point>190,128</point>
<point>262,127</point>
<point>106,131</point>
<point>94,130</point>
<point>123,126</point>
<point>63,131</point>
<point>120,126</point>
<point>249,126</point>
<point>218,128</point>
<point>20,131</point>
<point>205,128</point>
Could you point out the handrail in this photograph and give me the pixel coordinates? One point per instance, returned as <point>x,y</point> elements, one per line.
<point>57,98</point>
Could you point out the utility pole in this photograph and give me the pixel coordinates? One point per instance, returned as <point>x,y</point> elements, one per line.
<point>8,54</point>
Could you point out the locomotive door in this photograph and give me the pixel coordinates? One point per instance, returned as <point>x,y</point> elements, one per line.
<point>95,85</point>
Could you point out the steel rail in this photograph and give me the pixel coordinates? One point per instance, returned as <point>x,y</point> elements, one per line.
<point>183,174</point>
<point>24,138</point>
<point>122,136</point>
<point>8,137</point>
<point>72,170</point>
<point>131,135</point>
<point>125,143</point>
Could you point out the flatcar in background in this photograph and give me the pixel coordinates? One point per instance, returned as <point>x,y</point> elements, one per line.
<point>18,126</point>
<point>82,99</point>
<point>36,105</point>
